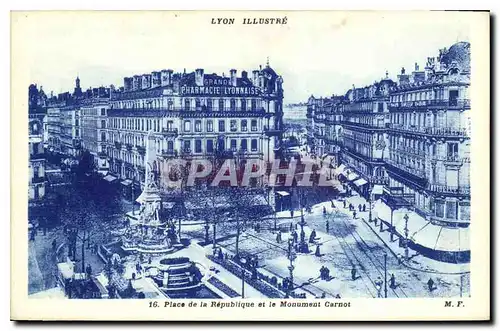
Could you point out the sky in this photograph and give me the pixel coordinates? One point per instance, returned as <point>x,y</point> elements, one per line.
<point>316,53</point>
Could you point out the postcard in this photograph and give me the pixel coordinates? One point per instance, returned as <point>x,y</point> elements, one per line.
<point>250,165</point>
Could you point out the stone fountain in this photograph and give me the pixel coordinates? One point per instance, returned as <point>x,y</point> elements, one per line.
<point>147,232</point>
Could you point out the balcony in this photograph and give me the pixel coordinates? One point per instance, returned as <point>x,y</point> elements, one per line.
<point>118,145</point>
<point>455,103</point>
<point>129,147</point>
<point>37,156</point>
<point>37,180</point>
<point>169,152</point>
<point>141,149</point>
<point>409,151</point>
<point>170,132</point>
<point>271,131</point>
<point>430,131</point>
<point>416,172</point>
<point>449,190</point>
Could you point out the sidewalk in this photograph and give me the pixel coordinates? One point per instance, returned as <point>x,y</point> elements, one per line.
<point>417,262</point>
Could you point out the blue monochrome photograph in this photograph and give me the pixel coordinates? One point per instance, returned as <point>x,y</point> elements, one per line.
<point>176,166</point>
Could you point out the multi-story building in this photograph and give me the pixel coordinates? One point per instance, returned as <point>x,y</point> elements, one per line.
<point>194,115</point>
<point>37,180</point>
<point>408,142</point>
<point>94,126</point>
<point>429,136</point>
<point>365,118</point>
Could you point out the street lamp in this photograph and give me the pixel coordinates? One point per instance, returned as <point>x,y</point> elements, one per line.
<point>406,236</point>
<point>385,274</point>
<point>291,257</point>
<point>370,204</point>
<point>243,261</point>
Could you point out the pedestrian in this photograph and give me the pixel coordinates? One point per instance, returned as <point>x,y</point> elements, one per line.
<point>364,207</point>
<point>353,273</point>
<point>393,281</point>
<point>150,260</point>
<point>88,271</point>
<point>323,295</point>
<point>344,203</point>
<point>327,226</point>
<point>354,214</point>
<point>430,284</point>
<point>294,236</point>
<point>324,211</point>
<point>54,244</point>
<point>327,273</point>
<point>322,272</point>
<point>351,207</point>
<point>317,253</point>
<point>278,237</point>
<point>333,205</point>
<point>359,207</point>
<point>291,213</point>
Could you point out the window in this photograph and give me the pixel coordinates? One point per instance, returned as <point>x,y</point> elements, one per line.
<point>221,104</point>
<point>197,146</point>
<point>198,104</point>
<point>452,151</point>
<point>244,146</point>
<point>103,136</point>
<point>187,105</point>
<point>233,104</point>
<point>234,145</point>
<point>170,125</point>
<point>254,125</point>
<point>222,126</point>
<point>197,126</point>
<point>209,104</point>
<point>221,145</point>
<point>103,111</point>
<point>210,146</point>
<point>244,125</point>
<point>243,104</point>
<point>170,146</point>
<point>187,146</point>
<point>210,126</point>
<point>254,104</point>
<point>142,124</point>
<point>233,126</point>
<point>187,126</point>
<point>439,209</point>
<point>451,210</point>
<point>103,124</point>
<point>380,107</point>
<point>254,145</point>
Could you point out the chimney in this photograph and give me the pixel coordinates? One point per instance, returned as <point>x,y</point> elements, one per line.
<point>244,74</point>
<point>164,77</point>
<point>233,77</point>
<point>127,83</point>
<point>155,79</point>
<point>255,77</point>
<point>416,67</point>
<point>199,77</point>
<point>146,81</point>
<point>136,83</point>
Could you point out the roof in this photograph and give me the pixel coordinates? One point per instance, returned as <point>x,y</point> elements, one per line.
<point>458,53</point>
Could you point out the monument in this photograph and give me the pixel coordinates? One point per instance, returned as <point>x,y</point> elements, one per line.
<point>147,231</point>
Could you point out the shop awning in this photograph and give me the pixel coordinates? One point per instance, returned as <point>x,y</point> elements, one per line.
<point>360,182</point>
<point>126,182</point>
<point>283,193</point>
<point>352,176</point>
<point>378,189</point>
<point>110,178</point>
<point>340,169</point>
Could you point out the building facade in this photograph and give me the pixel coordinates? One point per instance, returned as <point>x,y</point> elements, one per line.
<point>407,142</point>
<point>194,115</point>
